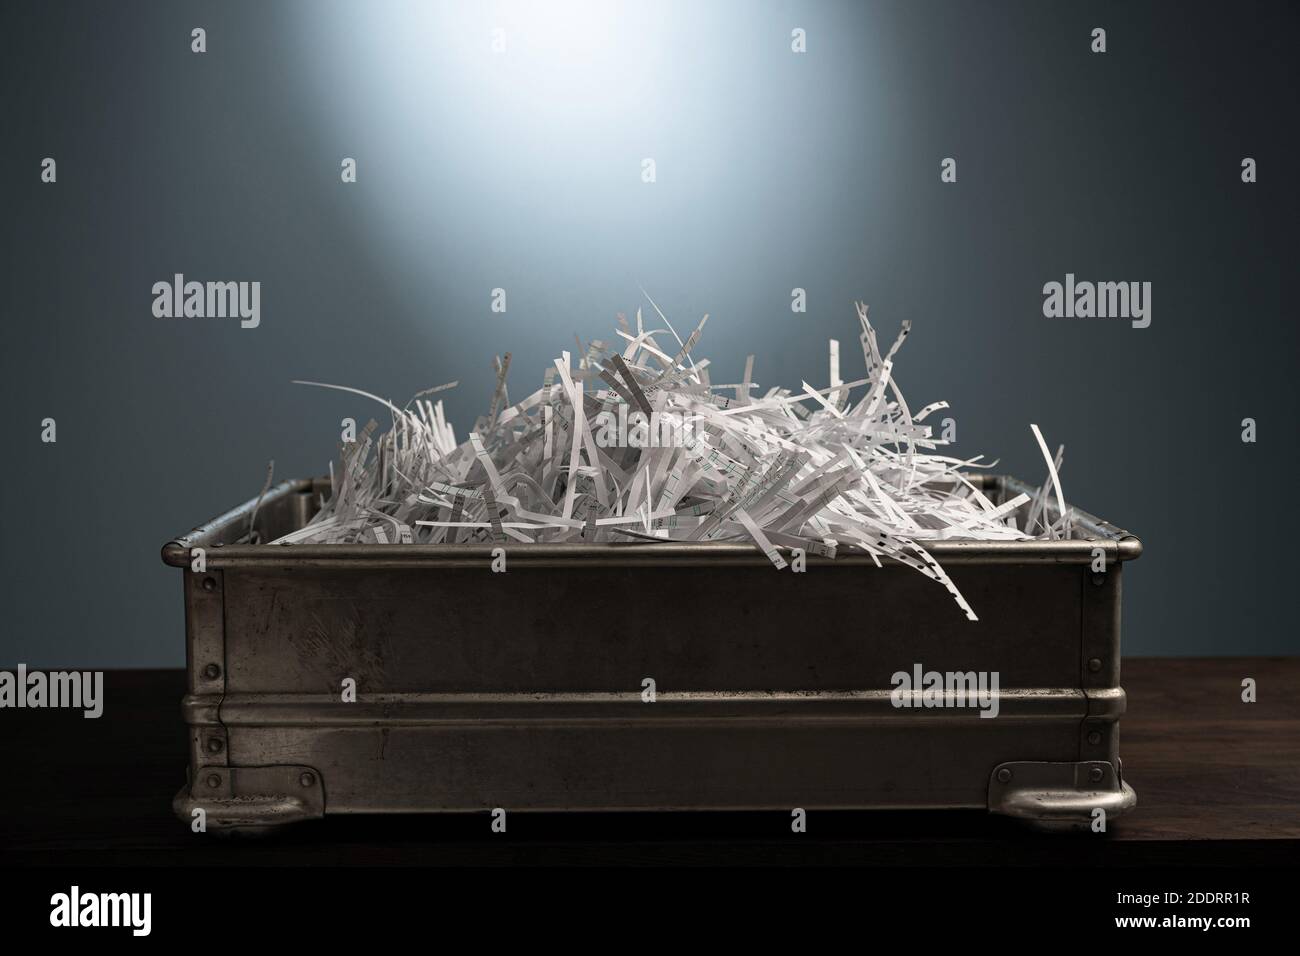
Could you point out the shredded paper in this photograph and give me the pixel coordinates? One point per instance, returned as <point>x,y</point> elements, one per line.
<point>632,442</point>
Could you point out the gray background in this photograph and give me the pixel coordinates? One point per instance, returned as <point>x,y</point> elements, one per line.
<point>522,170</point>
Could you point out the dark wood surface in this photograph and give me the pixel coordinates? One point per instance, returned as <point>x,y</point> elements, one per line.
<point>1218,782</point>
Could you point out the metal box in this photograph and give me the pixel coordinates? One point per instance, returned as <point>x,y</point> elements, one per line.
<point>525,690</point>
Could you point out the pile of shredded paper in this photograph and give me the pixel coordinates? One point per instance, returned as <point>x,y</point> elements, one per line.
<point>635,443</point>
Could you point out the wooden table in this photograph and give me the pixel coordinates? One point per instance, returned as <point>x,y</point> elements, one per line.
<point>1218,782</point>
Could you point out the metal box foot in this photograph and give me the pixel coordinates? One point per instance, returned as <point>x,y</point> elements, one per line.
<point>1059,796</point>
<point>251,800</point>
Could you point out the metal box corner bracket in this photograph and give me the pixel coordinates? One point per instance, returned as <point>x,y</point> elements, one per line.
<point>477,690</point>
